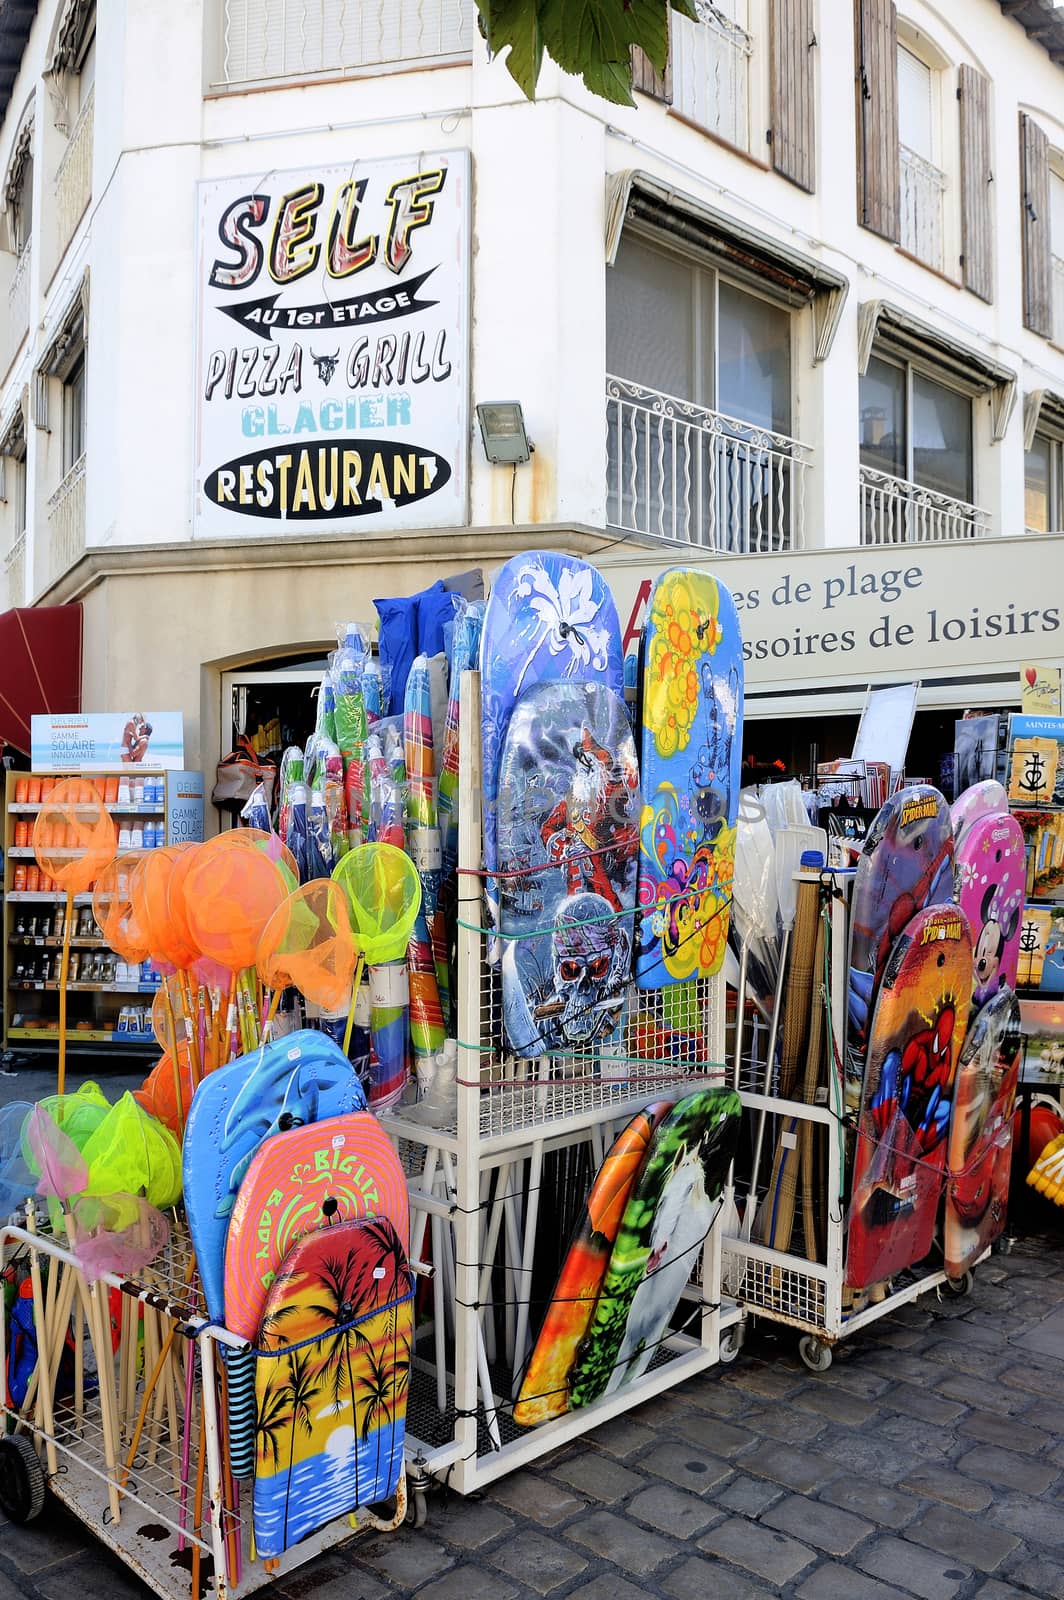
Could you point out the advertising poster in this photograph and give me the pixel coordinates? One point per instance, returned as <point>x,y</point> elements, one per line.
<point>1042,949</point>
<point>332,361</point>
<point>97,741</point>
<point>1036,771</point>
<point>1040,689</point>
<point>1042,1022</point>
<point>184,808</point>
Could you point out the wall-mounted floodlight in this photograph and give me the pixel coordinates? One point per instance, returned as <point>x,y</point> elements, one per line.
<point>502,428</point>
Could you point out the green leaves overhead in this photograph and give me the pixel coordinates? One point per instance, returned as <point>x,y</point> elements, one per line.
<point>591,38</point>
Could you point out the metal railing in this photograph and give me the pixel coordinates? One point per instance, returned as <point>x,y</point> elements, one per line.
<point>894,511</point>
<point>1058,299</point>
<point>678,471</point>
<point>73,180</point>
<point>66,523</point>
<point>15,571</point>
<point>923,210</point>
<point>711,73</point>
<point>265,39</point>
<point>18,309</point>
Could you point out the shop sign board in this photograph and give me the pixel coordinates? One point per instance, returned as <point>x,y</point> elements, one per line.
<point>332,373</point>
<point>184,808</point>
<point>99,741</point>
<point>851,615</point>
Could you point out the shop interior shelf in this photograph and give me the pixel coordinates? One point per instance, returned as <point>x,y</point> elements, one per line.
<point>47,896</point>
<point>76,1036</point>
<point>46,941</point>
<point>126,807</point>
<point>98,987</point>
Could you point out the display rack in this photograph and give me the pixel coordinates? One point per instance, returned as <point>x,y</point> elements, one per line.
<point>806,1294</point>
<point>136,1506</point>
<point>106,1010</point>
<point>474,1183</point>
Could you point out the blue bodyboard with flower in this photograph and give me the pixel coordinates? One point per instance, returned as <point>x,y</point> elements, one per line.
<point>691,753</point>
<point>549,618</point>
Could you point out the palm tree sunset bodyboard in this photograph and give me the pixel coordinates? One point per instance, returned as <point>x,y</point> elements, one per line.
<point>331,1382</point>
<point>545,1390</point>
<point>668,1216</point>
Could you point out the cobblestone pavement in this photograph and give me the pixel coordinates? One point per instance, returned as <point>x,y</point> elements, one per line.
<point>927,1462</point>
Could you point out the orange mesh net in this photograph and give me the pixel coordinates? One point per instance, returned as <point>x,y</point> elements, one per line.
<point>167,942</point>
<point>231,892</point>
<point>112,907</point>
<point>309,943</point>
<point>74,837</point>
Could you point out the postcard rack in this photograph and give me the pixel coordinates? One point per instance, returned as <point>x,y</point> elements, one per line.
<point>803,1292</point>
<point>479,1196</point>
<point>140,1496</point>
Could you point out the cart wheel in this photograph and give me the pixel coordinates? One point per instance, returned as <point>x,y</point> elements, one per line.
<point>731,1342</point>
<point>21,1479</point>
<point>959,1287</point>
<point>815,1354</point>
<point>417,1509</point>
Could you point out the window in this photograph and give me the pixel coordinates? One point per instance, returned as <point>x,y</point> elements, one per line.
<point>13,451</point>
<point>916,429</point>
<point>1044,485</point>
<point>699,406</point>
<point>85,70</point>
<point>922,180</point>
<point>74,413</point>
<point>661,312</point>
<point>917,471</point>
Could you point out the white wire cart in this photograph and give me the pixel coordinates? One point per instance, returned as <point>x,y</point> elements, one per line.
<point>477,1187</point>
<point>806,1291</point>
<point>158,1500</point>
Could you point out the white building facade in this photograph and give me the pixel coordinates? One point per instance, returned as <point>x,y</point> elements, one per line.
<point>797,315</point>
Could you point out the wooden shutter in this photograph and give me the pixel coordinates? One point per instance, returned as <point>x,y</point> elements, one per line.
<point>977,177</point>
<point>647,81</point>
<point>1034,228</point>
<point>792,42</point>
<point>878,198</point>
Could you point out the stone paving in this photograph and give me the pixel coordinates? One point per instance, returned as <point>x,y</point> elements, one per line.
<point>927,1462</point>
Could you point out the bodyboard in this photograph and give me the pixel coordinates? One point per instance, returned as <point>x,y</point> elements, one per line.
<point>666,1221</point>
<point>331,1380</point>
<point>984,799</point>
<point>301,1078</point>
<point>990,873</point>
<point>980,1139</point>
<point>568,826</point>
<point>905,864</point>
<point>545,1388</point>
<point>917,1028</point>
<point>691,751</point>
<point>549,618</point>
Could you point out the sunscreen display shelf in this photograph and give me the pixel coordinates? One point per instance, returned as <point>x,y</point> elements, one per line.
<point>475,1181</point>
<point>108,1001</point>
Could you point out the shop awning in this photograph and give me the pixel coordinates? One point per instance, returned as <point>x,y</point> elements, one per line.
<point>777,270</point>
<point>40,668</point>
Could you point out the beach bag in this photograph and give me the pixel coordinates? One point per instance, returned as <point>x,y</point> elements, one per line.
<point>238,773</point>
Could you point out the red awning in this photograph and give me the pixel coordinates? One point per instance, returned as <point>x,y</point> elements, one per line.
<point>40,667</point>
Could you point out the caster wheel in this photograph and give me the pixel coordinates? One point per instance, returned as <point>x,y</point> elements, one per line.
<point>731,1342</point>
<point>816,1356</point>
<point>959,1287</point>
<point>21,1479</point>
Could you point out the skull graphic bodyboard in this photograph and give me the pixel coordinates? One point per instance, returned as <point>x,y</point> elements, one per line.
<point>568,830</point>
<point>549,619</point>
<point>899,1161</point>
<point>691,723</point>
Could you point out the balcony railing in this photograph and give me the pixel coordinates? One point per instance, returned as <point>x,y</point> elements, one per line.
<point>66,523</point>
<point>18,309</point>
<point>711,73</point>
<point>265,39</point>
<point>1058,299</point>
<point>15,571</point>
<point>73,180</point>
<point>894,511</point>
<point>923,210</point>
<point>678,471</point>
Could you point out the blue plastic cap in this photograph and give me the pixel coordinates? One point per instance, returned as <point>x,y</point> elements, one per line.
<point>812,858</point>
